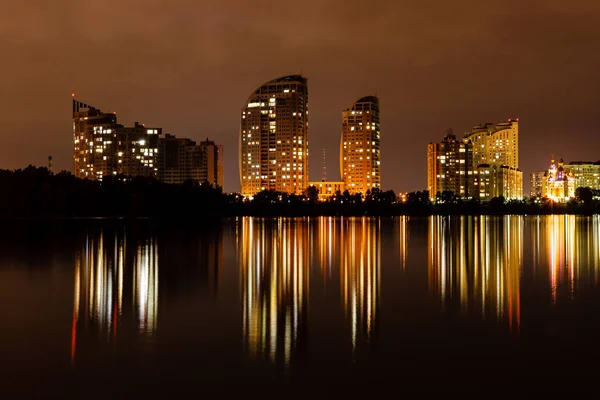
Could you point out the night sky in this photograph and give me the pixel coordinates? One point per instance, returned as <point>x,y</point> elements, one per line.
<point>188,66</point>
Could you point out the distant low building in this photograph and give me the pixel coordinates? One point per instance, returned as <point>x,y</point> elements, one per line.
<point>558,184</point>
<point>535,183</point>
<point>328,188</point>
<point>585,173</point>
<point>181,159</point>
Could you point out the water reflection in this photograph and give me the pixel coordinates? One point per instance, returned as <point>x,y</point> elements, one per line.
<point>275,263</point>
<point>475,262</point>
<point>274,277</point>
<point>566,252</point>
<point>103,282</point>
<point>359,276</point>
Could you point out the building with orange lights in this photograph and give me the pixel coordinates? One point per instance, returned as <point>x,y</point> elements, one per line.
<point>273,147</point>
<point>450,167</point>
<point>558,184</point>
<point>360,153</point>
<point>496,149</point>
<point>102,147</point>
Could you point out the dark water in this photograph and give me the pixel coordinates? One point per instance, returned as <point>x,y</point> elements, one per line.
<point>281,307</point>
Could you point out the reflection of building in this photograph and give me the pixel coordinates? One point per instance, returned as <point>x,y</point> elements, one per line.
<point>274,137</point>
<point>585,173</point>
<point>535,184</point>
<point>274,258</point>
<point>404,237</point>
<point>327,188</point>
<point>475,262</point>
<point>359,277</point>
<point>450,167</point>
<point>181,159</point>
<point>558,184</point>
<point>566,249</point>
<point>108,276</point>
<point>101,147</point>
<point>360,146</point>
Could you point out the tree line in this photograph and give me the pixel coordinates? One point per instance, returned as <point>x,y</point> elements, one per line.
<point>38,193</point>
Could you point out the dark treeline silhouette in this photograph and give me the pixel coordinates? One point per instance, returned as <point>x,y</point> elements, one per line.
<point>37,193</point>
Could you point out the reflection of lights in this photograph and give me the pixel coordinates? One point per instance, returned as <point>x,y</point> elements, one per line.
<point>146,286</point>
<point>100,272</point>
<point>403,226</point>
<point>477,261</point>
<point>567,246</point>
<point>359,275</point>
<point>274,278</point>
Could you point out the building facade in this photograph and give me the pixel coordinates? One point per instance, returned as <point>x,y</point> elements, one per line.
<point>450,167</point>
<point>181,160</point>
<point>585,173</point>
<point>273,147</point>
<point>212,162</point>
<point>137,150</point>
<point>493,180</point>
<point>496,143</point>
<point>102,147</point>
<point>94,142</point>
<point>535,183</point>
<point>558,184</point>
<point>360,152</point>
<point>496,152</point>
<point>328,188</point>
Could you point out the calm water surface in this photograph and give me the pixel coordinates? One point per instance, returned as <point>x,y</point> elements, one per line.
<point>105,309</point>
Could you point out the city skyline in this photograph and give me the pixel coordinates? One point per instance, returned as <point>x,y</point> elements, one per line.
<point>426,67</point>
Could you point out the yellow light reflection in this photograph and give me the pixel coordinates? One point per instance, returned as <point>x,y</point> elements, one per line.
<point>99,276</point>
<point>274,278</point>
<point>359,276</point>
<point>567,247</point>
<point>476,263</point>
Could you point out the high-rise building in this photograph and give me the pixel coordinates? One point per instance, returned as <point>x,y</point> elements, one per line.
<point>585,173</point>
<point>274,137</point>
<point>496,143</point>
<point>449,167</point>
<point>94,141</point>
<point>535,183</point>
<point>360,146</point>
<point>496,150</point>
<point>181,159</point>
<point>558,185</point>
<point>102,147</point>
<point>137,150</point>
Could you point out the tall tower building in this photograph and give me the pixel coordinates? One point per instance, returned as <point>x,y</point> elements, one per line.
<point>274,137</point>
<point>449,167</point>
<point>94,141</point>
<point>360,146</point>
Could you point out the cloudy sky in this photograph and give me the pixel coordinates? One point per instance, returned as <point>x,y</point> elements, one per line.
<point>189,65</point>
